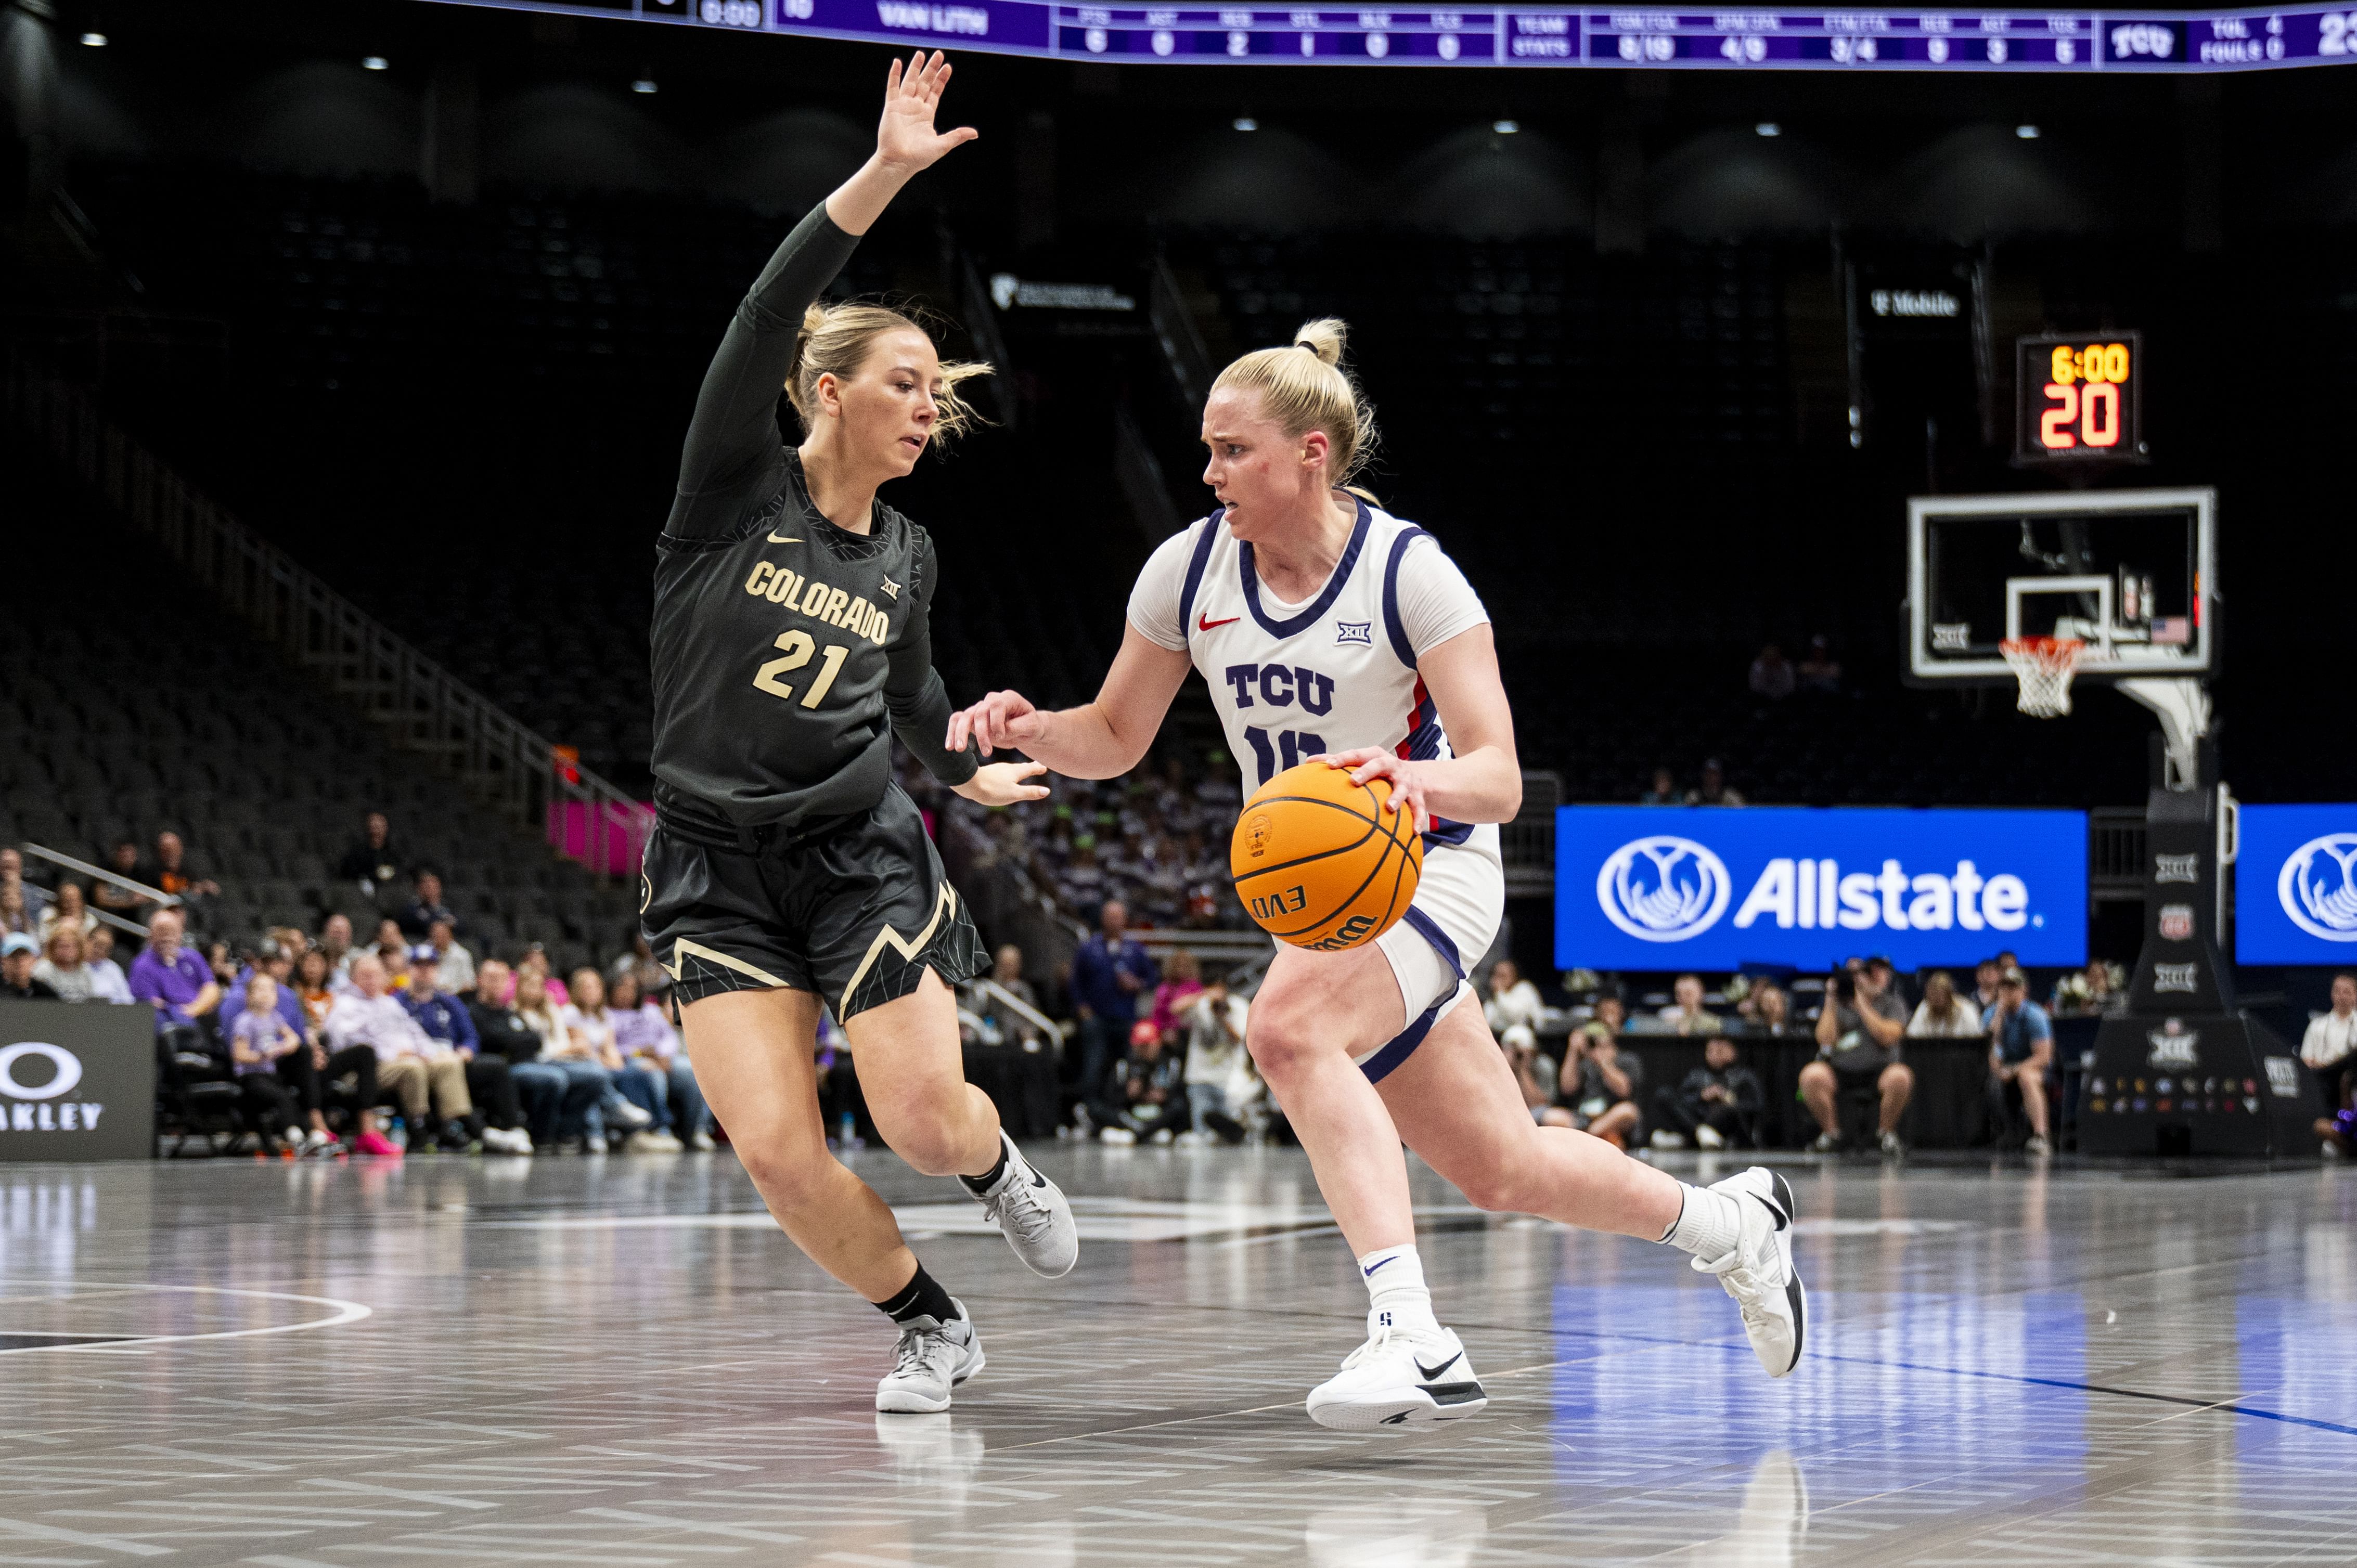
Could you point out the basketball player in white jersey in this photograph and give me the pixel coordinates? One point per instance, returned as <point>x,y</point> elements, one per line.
<point>1327,628</point>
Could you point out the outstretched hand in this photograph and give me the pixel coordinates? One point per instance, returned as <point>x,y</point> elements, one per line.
<point>1003,720</point>
<point>1001,784</point>
<point>905,137</point>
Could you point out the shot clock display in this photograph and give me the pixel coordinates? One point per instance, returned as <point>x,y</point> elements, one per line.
<point>2079,399</point>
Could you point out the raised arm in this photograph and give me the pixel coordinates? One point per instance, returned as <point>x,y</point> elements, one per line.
<point>1096,741</point>
<point>733,437</point>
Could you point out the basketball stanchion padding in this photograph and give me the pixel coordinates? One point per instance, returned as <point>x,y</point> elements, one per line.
<point>2045,665</point>
<point>1319,864</point>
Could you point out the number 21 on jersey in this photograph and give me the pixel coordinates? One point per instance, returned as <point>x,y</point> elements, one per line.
<point>797,647</point>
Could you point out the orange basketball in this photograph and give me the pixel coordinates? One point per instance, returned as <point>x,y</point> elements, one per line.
<point>1319,864</point>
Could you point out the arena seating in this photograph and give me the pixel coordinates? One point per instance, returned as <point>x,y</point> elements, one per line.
<point>147,710</point>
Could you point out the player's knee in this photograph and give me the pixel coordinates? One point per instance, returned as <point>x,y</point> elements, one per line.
<point>930,1137</point>
<point>1496,1187</point>
<point>1283,1040</point>
<point>790,1175</point>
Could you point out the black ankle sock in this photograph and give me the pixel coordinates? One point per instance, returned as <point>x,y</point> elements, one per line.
<point>922,1297</point>
<point>979,1183</point>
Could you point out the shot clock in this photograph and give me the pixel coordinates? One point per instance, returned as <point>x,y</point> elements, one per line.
<point>2079,398</point>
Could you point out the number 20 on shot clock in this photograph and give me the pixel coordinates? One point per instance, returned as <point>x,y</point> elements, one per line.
<point>2079,399</point>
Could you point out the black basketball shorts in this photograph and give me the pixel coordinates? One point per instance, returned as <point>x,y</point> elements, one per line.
<point>854,910</point>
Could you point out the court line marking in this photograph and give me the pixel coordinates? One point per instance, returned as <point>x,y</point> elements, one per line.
<point>346,1312</point>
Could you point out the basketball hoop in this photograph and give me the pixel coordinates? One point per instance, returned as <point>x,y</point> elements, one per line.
<point>2045,665</point>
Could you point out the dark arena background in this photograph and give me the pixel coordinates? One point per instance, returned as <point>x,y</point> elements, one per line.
<point>1787,385</point>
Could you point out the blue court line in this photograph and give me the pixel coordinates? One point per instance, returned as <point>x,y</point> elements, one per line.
<point>2229,1406</point>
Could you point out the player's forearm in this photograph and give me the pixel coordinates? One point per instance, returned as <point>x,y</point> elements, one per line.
<point>858,201</point>
<point>1483,786</point>
<point>1082,743</point>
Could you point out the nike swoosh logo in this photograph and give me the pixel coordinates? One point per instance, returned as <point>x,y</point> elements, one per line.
<point>784,539</point>
<point>1772,1209</point>
<point>1370,1272</point>
<point>1428,1373</point>
<point>1039,1180</point>
<point>1204,623</point>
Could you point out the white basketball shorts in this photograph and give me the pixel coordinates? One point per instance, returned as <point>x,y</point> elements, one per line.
<point>1459,901</point>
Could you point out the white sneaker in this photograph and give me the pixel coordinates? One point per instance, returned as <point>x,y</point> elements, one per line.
<point>629,1116</point>
<point>702,1143</point>
<point>1399,1379</point>
<point>1758,1271</point>
<point>1121,1136</point>
<point>1709,1137</point>
<point>507,1140</point>
<point>932,1359</point>
<point>1666,1139</point>
<point>652,1143</point>
<point>1826,1144</point>
<point>1031,1213</point>
<point>2037,1146</point>
<point>593,1145</point>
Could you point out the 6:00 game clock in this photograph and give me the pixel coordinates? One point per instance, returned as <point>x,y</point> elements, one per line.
<point>2079,398</point>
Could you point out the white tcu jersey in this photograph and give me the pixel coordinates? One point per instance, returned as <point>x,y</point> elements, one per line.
<point>1336,673</point>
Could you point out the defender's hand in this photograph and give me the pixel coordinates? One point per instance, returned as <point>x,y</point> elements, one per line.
<point>1370,762</point>
<point>1001,784</point>
<point>905,137</point>
<point>1002,720</point>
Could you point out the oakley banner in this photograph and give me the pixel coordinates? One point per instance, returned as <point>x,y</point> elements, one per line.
<point>2295,885</point>
<point>1652,887</point>
<point>77,1082</point>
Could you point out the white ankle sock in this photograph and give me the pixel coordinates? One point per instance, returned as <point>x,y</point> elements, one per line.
<point>1396,1286</point>
<point>1708,1226</point>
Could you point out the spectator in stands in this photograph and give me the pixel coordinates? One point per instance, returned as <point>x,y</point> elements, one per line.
<point>1010,1027</point>
<point>1772,1011</point>
<point>1601,1088</point>
<point>1664,791</point>
<point>1182,982</point>
<point>389,940</point>
<point>66,909</point>
<point>1512,1000</point>
<point>175,982</point>
<point>1110,972</point>
<point>639,961</point>
<point>1716,1105</point>
<point>1772,674</point>
<point>455,963</point>
<point>1859,1031</point>
<point>1147,1096</point>
<point>17,916</point>
<point>61,968</point>
<point>274,961</point>
<point>1081,881</point>
<point>1611,1016</point>
<point>2330,1046</point>
<point>1942,1014</point>
<point>314,977</point>
<point>1985,978</point>
<point>119,901</point>
<point>107,981</point>
<point>626,1101</point>
<point>425,907</point>
<point>336,942</point>
<point>1819,671</point>
<point>1686,1016</point>
<point>18,955</point>
<point>1219,1080</point>
<point>259,1039</point>
<point>2087,992</point>
<point>1535,1075</point>
<point>425,1075</point>
<point>651,1045</point>
<point>1713,791</point>
<point>446,1021</point>
<point>30,897</point>
<point>540,1087</point>
<point>310,1074</point>
<point>171,871</point>
<point>2021,1047</point>
<point>374,862</point>
<point>221,958</point>
<point>534,965</point>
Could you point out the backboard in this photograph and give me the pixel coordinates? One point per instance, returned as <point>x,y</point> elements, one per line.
<point>2133,573</point>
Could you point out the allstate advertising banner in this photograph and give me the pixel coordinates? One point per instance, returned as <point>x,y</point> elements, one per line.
<point>1720,888</point>
<point>2295,885</point>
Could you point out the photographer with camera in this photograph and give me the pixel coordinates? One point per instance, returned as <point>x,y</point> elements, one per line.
<point>1859,1031</point>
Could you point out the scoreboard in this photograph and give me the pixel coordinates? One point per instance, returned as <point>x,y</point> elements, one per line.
<point>2083,41</point>
<point>2079,398</point>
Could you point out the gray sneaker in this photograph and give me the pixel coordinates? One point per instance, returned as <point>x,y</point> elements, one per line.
<point>1030,1212</point>
<point>932,1359</point>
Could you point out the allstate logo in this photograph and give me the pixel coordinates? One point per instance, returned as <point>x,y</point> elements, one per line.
<point>1663,889</point>
<point>2317,887</point>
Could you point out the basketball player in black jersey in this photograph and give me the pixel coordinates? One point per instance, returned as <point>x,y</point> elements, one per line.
<point>787,872</point>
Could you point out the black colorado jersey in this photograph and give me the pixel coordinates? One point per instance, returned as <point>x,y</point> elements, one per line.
<point>786,650</point>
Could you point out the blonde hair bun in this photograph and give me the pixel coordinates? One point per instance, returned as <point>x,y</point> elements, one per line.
<point>1312,391</point>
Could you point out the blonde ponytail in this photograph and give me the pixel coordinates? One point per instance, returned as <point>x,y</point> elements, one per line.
<point>834,340</point>
<point>1304,387</point>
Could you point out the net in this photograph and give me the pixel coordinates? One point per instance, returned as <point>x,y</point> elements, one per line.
<point>2045,665</point>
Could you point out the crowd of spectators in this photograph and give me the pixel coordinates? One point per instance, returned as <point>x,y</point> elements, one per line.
<point>323,1036</point>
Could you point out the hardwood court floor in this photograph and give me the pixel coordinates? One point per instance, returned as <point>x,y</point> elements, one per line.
<point>618,1362</point>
